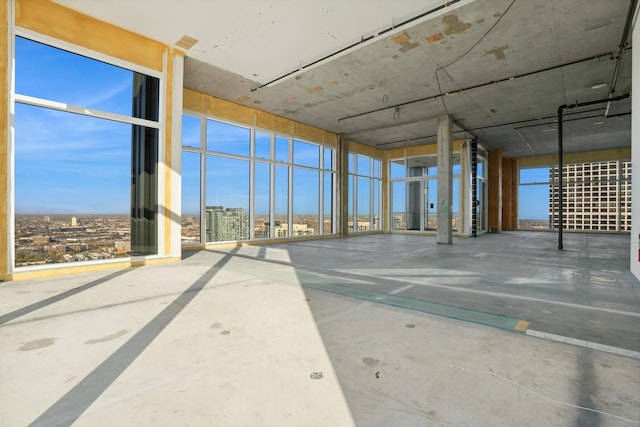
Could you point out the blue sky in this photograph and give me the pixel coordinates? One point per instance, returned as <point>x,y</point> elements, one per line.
<point>68,163</point>
<point>533,200</point>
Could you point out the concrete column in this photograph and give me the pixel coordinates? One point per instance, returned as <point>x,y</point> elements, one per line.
<point>342,199</point>
<point>445,178</point>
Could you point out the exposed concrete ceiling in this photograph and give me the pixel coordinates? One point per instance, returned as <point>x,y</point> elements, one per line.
<point>500,68</point>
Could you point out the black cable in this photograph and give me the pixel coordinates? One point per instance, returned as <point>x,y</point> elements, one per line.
<point>481,38</point>
<point>440,91</point>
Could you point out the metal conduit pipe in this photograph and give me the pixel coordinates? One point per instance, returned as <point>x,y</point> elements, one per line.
<point>560,160</point>
<point>622,47</point>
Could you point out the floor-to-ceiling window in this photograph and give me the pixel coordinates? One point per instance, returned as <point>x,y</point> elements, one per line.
<point>85,156</point>
<point>250,183</point>
<point>414,193</point>
<point>597,197</point>
<point>364,193</point>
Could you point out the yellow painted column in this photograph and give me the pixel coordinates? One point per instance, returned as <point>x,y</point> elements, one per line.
<point>509,194</point>
<point>494,190</point>
<point>5,268</point>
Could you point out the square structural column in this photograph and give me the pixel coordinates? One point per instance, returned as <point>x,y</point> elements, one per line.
<point>445,178</point>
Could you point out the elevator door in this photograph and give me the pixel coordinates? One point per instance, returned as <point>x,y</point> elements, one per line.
<point>430,204</point>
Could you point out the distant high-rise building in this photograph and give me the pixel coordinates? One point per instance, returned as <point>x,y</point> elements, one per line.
<point>74,221</point>
<point>224,225</point>
<point>597,196</point>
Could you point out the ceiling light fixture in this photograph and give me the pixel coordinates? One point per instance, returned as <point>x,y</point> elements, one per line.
<point>599,86</point>
<point>396,114</point>
<point>549,130</point>
<point>598,123</point>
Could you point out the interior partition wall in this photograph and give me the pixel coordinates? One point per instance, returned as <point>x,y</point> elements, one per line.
<point>245,183</point>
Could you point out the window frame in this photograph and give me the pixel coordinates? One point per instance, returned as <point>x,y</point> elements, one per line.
<point>15,31</point>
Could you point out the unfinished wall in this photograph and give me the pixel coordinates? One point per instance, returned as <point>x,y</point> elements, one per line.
<point>226,110</point>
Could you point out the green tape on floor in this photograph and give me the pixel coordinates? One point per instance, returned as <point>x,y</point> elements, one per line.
<point>444,310</point>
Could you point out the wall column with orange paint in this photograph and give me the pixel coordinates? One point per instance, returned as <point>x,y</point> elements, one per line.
<point>509,194</point>
<point>5,138</point>
<point>494,190</point>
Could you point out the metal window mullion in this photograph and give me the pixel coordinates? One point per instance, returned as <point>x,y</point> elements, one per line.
<point>272,185</point>
<point>290,195</point>
<point>203,180</point>
<point>83,111</point>
<point>371,198</point>
<point>252,183</point>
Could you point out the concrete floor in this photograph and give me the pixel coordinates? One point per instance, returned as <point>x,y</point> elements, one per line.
<point>378,330</point>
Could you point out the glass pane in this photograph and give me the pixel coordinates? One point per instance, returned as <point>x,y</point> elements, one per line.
<point>263,145</point>
<point>227,199</point>
<point>72,187</point>
<point>398,205</point>
<point>328,203</point>
<point>364,165</point>
<point>350,204</point>
<point>533,206</point>
<point>431,211</point>
<point>282,149</point>
<point>72,79</point>
<point>397,169</point>
<point>306,202</point>
<point>190,131</point>
<point>432,171</point>
<point>377,225</point>
<point>364,205</point>
<point>281,202</point>
<point>328,158</point>
<point>261,198</point>
<point>351,161</point>
<point>306,154</point>
<point>455,204</point>
<point>190,198</point>
<point>456,169</point>
<point>480,168</point>
<point>227,138</point>
<point>377,168</point>
<point>538,175</point>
